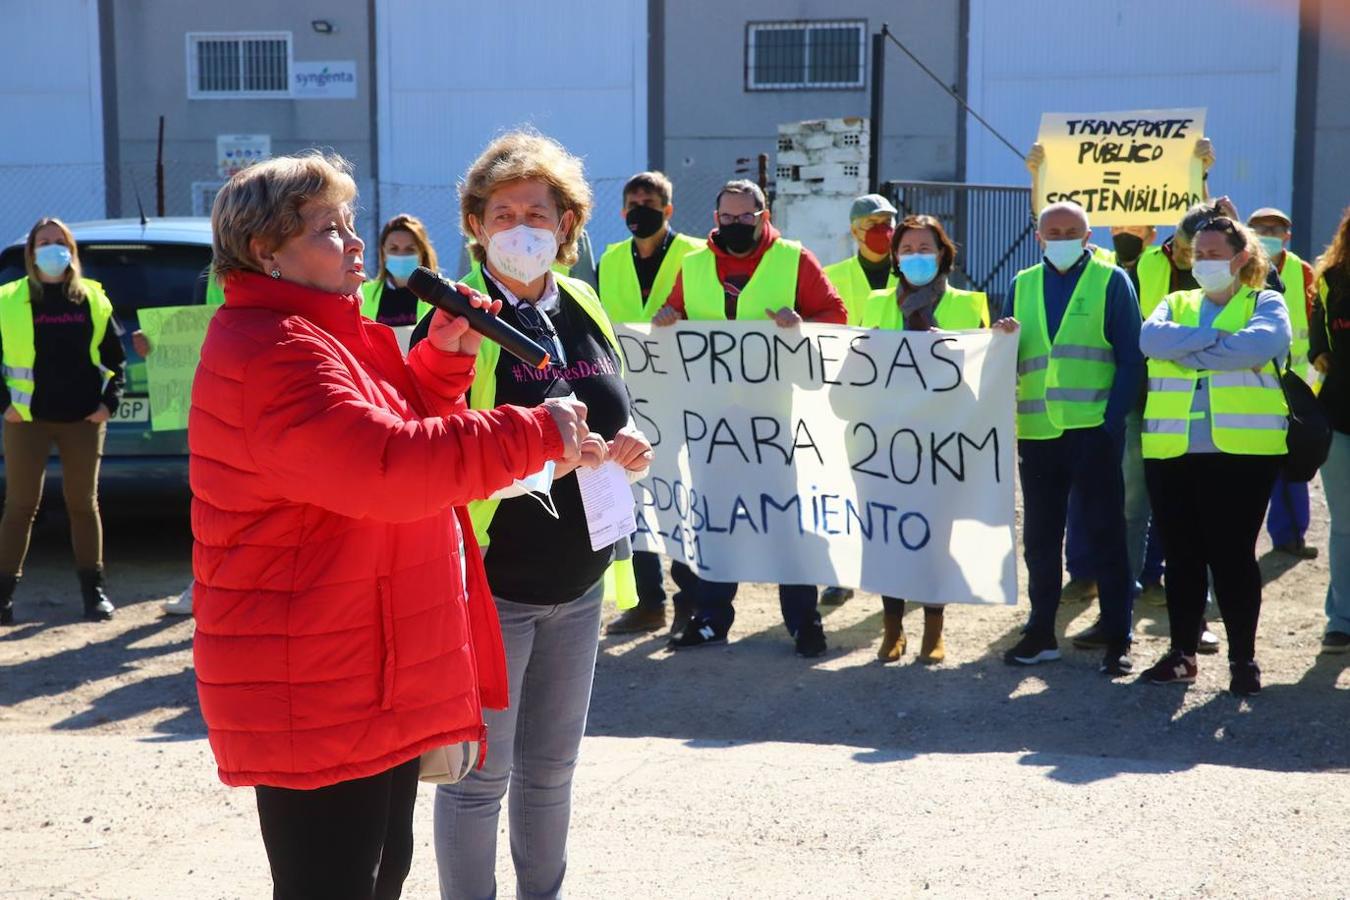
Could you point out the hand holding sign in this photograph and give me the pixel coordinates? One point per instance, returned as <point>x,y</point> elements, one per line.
<point>1138,167</point>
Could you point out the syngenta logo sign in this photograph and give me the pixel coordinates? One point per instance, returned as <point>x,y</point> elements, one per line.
<point>323,78</point>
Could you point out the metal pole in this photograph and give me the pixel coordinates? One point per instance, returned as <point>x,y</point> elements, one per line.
<point>159,172</point>
<point>878,82</point>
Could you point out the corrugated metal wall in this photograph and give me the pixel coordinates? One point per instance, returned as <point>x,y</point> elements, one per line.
<point>51,150</point>
<point>1238,58</point>
<point>451,76</point>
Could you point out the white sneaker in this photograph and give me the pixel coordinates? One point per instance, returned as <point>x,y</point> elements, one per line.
<point>180,605</point>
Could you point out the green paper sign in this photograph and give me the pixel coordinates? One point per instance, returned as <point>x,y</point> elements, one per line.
<point>175,334</point>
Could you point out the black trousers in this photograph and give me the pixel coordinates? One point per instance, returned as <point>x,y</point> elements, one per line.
<point>1209,508</point>
<point>349,841</point>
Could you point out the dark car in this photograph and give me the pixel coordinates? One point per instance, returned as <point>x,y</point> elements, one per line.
<point>158,263</point>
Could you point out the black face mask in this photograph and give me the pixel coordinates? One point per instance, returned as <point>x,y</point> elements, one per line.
<point>644,221</point>
<point>735,238</point>
<point>1129,247</point>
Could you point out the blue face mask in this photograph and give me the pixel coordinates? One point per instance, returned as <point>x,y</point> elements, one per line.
<point>919,268</point>
<point>52,259</point>
<point>401,266</point>
<point>1274,246</point>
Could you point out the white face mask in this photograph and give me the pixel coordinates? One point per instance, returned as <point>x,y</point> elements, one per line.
<point>538,485</point>
<point>522,253</point>
<point>1213,275</point>
<point>1063,254</point>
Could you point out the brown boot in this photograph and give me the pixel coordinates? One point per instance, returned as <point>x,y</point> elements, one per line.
<point>892,639</point>
<point>637,620</point>
<point>932,650</point>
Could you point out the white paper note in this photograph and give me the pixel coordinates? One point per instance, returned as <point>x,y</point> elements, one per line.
<point>607,498</point>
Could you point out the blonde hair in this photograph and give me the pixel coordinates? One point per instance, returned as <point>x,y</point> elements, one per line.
<point>263,202</point>
<point>73,279</point>
<point>526,156</point>
<point>426,253</point>
<point>1239,237</point>
<point>1337,254</point>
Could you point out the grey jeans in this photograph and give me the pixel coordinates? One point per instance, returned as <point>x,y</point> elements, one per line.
<point>532,747</point>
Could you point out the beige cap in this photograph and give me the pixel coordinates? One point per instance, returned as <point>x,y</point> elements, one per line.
<point>1269,212</point>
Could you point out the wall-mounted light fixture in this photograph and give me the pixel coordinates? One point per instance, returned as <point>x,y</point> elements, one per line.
<point>322,26</point>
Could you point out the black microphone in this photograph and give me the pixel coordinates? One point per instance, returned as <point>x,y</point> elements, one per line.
<point>433,289</point>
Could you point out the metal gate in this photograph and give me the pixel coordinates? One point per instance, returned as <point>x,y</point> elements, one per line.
<point>991,224</point>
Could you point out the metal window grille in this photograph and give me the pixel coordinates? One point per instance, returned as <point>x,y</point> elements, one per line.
<point>239,65</point>
<point>805,55</point>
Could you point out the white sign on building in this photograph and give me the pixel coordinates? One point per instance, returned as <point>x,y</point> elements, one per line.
<point>239,151</point>
<point>330,80</point>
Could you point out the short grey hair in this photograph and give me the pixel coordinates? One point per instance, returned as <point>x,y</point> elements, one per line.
<point>742,186</point>
<point>1064,206</point>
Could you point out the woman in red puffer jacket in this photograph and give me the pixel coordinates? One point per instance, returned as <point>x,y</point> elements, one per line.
<point>344,624</point>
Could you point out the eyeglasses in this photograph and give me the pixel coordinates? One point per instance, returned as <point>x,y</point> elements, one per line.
<point>538,326</point>
<point>742,219</point>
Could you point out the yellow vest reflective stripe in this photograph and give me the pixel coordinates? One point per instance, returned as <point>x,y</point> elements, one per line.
<point>20,351</point>
<point>620,579</point>
<point>851,282</point>
<point>1155,277</point>
<point>958,310</point>
<point>772,286</point>
<point>372,291</point>
<point>620,291</point>
<point>1296,301</point>
<point>1062,383</point>
<point>215,292</point>
<point>1247,411</point>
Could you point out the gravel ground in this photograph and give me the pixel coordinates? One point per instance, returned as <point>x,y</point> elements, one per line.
<point>734,771</point>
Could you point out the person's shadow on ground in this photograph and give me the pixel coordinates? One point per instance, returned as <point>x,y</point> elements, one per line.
<point>1065,715</point>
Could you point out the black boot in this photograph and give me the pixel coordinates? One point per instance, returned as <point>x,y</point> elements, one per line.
<point>7,585</point>
<point>97,606</point>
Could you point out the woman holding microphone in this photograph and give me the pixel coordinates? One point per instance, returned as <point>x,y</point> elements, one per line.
<point>63,376</point>
<point>344,626</point>
<point>524,201</point>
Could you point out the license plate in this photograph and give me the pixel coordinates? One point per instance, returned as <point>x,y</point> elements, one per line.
<point>133,409</point>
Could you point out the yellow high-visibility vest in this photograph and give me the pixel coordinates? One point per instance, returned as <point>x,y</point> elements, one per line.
<point>1155,278</point>
<point>957,310</point>
<point>772,286</point>
<point>1296,301</point>
<point>372,291</point>
<point>20,350</point>
<point>620,291</point>
<point>851,282</point>
<point>1247,411</point>
<point>1063,382</point>
<point>620,579</point>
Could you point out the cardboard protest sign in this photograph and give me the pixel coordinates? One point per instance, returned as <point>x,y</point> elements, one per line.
<point>829,455</point>
<point>1125,168</point>
<point>175,334</point>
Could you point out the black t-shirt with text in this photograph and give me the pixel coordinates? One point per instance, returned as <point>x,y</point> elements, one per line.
<point>68,386</point>
<point>532,557</point>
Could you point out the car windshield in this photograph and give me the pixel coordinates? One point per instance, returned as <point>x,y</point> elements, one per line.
<point>133,275</point>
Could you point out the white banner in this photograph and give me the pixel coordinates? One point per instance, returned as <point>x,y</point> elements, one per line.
<point>825,455</point>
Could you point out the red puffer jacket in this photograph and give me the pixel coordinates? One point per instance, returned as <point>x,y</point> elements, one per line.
<point>334,640</point>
